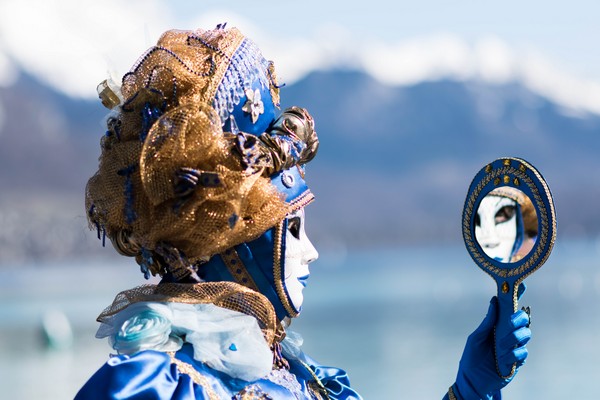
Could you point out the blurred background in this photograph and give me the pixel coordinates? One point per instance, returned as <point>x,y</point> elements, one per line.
<point>410,101</point>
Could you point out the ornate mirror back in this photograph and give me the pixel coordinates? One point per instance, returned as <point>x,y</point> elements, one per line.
<point>509,226</point>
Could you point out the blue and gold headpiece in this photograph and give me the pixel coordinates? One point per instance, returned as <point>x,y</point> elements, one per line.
<point>195,159</point>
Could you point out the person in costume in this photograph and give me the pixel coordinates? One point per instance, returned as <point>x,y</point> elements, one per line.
<point>202,180</point>
<point>506,224</point>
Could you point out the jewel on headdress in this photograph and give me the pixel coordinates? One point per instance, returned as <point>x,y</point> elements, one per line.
<point>254,105</point>
<point>287,179</point>
<point>233,125</point>
<point>233,219</point>
<point>107,95</point>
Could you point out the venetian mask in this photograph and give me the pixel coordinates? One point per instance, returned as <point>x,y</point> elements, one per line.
<point>299,253</point>
<point>496,227</point>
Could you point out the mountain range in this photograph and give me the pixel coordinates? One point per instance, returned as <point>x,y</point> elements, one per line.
<point>393,168</point>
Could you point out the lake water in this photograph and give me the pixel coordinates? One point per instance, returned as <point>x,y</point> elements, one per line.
<point>396,320</point>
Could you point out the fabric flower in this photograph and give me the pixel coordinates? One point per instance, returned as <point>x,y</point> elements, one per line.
<point>148,329</point>
<point>254,105</point>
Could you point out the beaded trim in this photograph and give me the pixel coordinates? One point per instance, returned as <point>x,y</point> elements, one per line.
<point>199,379</point>
<point>451,394</point>
<point>236,268</point>
<point>547,233</point>
<point>316,386</point>
<point>297,204</point>
<point>277,271</point>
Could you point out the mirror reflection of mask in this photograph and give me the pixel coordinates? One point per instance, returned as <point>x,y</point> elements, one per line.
<point>299,253</point>
<point>496,227</point>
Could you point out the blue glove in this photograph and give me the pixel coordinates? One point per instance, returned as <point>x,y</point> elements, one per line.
<point>477,376</point>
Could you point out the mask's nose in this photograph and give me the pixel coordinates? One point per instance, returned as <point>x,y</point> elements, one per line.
<point>310,254</point>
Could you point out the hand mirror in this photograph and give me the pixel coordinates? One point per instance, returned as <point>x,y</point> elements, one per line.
<point>509,228</point>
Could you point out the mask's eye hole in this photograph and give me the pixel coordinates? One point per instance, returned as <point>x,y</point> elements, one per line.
<point>504,214</point>
<point>294,226</point>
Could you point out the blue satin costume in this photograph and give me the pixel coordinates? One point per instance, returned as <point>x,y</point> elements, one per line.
<point>152,375</point>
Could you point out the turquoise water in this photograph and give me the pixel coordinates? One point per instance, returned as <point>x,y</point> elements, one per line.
<point>396,320</point>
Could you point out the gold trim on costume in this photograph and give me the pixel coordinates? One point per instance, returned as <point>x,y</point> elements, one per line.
<point>197,377</point>
<point>277,271</point>
<point>300,202</point>
<point>451,394</point>
<point>316,386</point>
<point>237,269</point>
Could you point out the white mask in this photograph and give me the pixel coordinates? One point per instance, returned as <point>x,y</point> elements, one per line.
<point>299,253</point>
<point>496,227</point>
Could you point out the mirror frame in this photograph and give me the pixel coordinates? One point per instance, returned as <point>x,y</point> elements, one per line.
<point>519,174</point>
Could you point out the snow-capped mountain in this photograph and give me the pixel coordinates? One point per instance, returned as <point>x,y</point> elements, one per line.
<point>393,167</point>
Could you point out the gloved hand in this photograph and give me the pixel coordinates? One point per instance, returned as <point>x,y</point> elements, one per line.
<point>477,376</point>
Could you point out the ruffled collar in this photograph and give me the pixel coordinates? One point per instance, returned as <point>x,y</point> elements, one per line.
<point>231,327</point>
<point>228,295</point>
<point>225,340</point>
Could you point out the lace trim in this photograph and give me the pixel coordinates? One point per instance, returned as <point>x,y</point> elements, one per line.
<point>252,392</point>
<point>286,379</point>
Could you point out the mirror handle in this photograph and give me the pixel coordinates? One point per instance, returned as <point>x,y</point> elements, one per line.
<point>507,306</point>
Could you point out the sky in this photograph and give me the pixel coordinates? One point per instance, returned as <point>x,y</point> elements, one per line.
<point>551,48</point>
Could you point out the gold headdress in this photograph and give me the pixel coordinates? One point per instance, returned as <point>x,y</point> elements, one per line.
<point>171,184</point>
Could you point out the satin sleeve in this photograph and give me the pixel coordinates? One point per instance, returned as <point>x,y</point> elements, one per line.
<point>144,375</point>
<point>335,380</point>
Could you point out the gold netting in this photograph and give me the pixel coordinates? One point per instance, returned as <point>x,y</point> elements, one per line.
<point>228,295</point>
<point>185,66</point>
<point>134,187</point>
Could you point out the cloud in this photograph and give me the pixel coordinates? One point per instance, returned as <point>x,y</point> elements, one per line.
<point>489,59</point>
<point>73,44</point>
<point>418,59</point>
<point>8,71</point>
